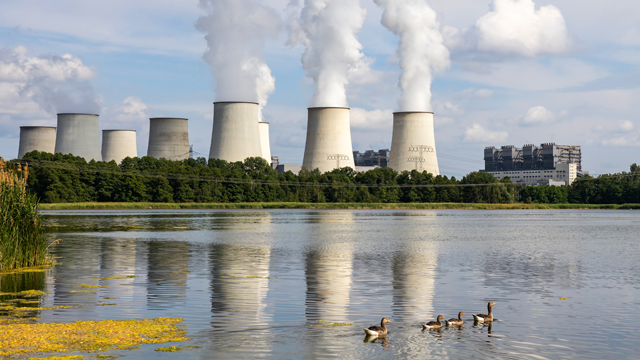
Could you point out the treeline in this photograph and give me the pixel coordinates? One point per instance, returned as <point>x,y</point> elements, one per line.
<point>57,178</point>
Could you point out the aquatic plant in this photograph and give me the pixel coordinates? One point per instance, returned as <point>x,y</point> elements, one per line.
<point>22,239</point>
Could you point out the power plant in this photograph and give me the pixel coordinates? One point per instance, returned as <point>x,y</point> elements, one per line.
<point>236,133</point>
<point>265,144</point>
<point>413,144</point>
<point>118,144</point>
<point>328,143</point>
<point>79,135</point>
<point>169,138</point>
<point>41,138</point>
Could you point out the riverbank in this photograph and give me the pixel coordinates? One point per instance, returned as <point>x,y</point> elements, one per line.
<point>284,205</point>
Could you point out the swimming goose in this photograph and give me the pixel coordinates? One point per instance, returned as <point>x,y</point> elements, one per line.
<point>378,330</point>
<point>456,322</point>
<point>433,325</point>
<point>482,317</point>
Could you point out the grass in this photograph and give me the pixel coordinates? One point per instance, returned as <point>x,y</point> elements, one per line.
<point>22,239</point>
<point>345,206</point>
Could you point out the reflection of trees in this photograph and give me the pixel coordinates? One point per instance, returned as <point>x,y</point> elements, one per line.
<point>167,278</point>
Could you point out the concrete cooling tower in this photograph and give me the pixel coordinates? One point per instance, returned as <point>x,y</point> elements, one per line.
<point>236,133</point>
<point>328,144</point>
<point>413,144</point>
<point>169,138</point>
<point>118,144</point>
<point>265,143</point>
<point>79,135</point>
<point>41,138</point>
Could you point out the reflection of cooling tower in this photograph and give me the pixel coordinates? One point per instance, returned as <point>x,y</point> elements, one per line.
<point>41,138</point>
<point>118,144</point>
<point>329,272</point>
<point>413,145</point>
<point>236,134</point>
<point>169,138</point>
<point>264,141</point>
<point>79,135</point>
<point>413,280</point>
<point>328,144</point>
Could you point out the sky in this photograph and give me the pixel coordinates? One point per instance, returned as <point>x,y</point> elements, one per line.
<point>519,72</point>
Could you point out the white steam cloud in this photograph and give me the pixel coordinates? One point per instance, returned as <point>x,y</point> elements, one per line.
<point>58,84</point>
<point>236,32</point>
<point>421,49</point>
<point>327,29</point>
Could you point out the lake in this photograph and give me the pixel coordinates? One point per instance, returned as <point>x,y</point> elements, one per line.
<point>262,284</point>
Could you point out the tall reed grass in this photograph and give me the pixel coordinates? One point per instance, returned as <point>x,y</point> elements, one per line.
<point>22,239</point>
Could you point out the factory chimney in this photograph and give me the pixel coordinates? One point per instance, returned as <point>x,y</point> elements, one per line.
<point>328,143</point>
<point>169,138</point>
<point>236,133</point>
<point>413,145</point>
<point>41,138</point>
<point>79,135</point>
<point>118,144</point>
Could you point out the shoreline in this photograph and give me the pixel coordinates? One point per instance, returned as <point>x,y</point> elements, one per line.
<point>334,206</point>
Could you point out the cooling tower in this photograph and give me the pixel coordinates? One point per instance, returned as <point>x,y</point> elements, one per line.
<point>79,135</point>
<point>169,138</point>
<point>41,138</point>
<point>118,144</point>
<point>328,144</point>
<point>413,144</point>
<point>236,134</point>
<point>265,144</point>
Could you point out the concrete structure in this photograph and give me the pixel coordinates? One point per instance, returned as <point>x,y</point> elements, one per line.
<point>378,158</point>
<point>531,157</point>
<point>328,143</point>
<point>265,143</point>
<point>41,138</point>
<point>563,174</point>
<point>236,133</point>
<point>169,138</point>
<point>275,161</point>
<point>118,144</point>
<point>79,135</point>
<point>283,168</point>
<point>413,143</point>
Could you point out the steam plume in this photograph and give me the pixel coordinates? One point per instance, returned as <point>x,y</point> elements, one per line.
<point>236,31</point>
<point>327,29</point>
<point>421,49</point>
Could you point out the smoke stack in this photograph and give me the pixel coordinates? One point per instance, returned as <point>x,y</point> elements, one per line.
<point>169,138</point>
<point>41,138</point>
<point>236,133</point>
<point>328,144</point>
<point>118,144</point>
<point>79,135</point>
<point>265,143</point>
<point>413,144</point>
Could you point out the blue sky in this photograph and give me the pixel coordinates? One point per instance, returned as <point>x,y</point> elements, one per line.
<point>145,59</point>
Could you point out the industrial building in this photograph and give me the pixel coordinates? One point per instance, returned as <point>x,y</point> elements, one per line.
<point>169,138</point>
<point>378,158</point>
<point>413,144</point>
<point>118,144</point>
<point>547,164</point>
<point>236,132</point>
<point>41,138</point>
<point>79,135</point>
<point>328,144</point>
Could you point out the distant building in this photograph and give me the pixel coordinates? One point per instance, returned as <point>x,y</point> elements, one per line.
<point>547,164</point>
<point>275,161</point>
<point>372,158</point>
<point>283,168</point>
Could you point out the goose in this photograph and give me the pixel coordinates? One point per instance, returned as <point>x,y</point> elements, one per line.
<point>433,325</point>
<point>456,322</point>
<point>482,317</point>
<point>378,330</point>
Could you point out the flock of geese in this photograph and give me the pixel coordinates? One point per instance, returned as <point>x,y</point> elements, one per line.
<point>381,331</point>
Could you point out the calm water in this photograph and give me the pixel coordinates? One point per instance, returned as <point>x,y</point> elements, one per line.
<point>357,267</point>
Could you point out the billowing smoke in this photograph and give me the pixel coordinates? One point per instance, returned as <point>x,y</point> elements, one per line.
<point>421,49</point>
<point>58,84</point>
<point>236,32</point>
<point>327,29</point>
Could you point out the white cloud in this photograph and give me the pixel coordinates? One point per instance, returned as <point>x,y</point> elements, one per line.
<point>625,125</point>
<point>448,108</point>
<point>362,119</point>
<point>538,115</point>
<point>478,134</point>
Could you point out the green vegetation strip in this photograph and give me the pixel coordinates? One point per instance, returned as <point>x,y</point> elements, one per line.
<point>88,336</point>
<point>329,206</point>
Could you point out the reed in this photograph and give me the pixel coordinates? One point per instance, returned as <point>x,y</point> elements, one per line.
<point>22,239</point>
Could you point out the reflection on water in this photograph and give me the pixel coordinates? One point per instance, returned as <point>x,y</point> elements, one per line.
<point>260,284</point>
